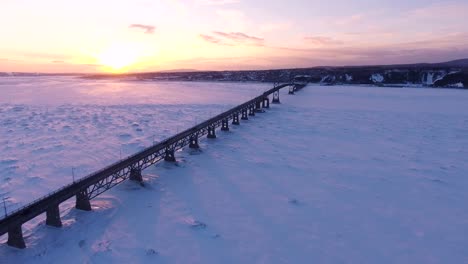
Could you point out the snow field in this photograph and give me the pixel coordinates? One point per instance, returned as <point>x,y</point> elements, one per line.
<point>332,175</point>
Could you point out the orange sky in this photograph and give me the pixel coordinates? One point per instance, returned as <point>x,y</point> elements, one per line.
<point>129,36</point>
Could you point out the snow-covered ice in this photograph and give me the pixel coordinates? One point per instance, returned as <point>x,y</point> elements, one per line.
<point>54,127</point>
<point>332,175</point>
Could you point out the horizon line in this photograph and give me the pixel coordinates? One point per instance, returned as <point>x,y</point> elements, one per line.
<point>270,69</point>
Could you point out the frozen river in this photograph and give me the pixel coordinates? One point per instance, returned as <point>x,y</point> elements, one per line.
<point>332,175</point>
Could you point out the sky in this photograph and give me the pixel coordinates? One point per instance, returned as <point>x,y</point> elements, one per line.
<point>156,35</point>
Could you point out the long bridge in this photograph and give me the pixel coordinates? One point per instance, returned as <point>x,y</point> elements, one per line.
<point>100,181</point>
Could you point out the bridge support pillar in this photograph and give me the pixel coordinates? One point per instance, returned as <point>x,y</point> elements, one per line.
<point>170,155</point>
<point>235,119</point>
<point>194,142</point>
<point>252,110</point>
<point>15,237</point>
<point>53,216</point>
<point>244,114</point>
<point>211,132</point>
<point>258,107</point>
<point>265,103</point>
<point>292,89</point>
<point>225,125</point>
<point>135,175</point>
<point>276,98</point>
<point>82,201</point>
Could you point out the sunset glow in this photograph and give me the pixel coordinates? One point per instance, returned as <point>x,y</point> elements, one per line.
<point>118,58</point>
<point>56,36</point>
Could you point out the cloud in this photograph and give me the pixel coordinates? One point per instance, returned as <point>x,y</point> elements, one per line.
<point>149,29</point>
<point>238,36</point>
<point>210,39</point>
<point>8,61</point>
<point>322,41</point>
<point>232,38</point>
<point>442,48</point>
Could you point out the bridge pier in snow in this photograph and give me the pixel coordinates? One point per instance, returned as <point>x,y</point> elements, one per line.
<point>292,89</point>
<point>244,114</point>
<point>135,175</point>
<point>169,155</point>
<point>53,216</point>
<point>194,142</point>
<point>225,125</point>
<point>266,102</point>
<point>252,110</point>
<point>235,119</point>
<point>82,201</point>
<point>211,132</point>
<point>258,107</point>
<point>276,98</point>
<point>15,237</point>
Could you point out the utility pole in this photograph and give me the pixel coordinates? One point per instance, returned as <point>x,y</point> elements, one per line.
<point>73,174</point>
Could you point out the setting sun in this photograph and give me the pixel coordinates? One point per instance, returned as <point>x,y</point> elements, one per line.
<point>119,57</point>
